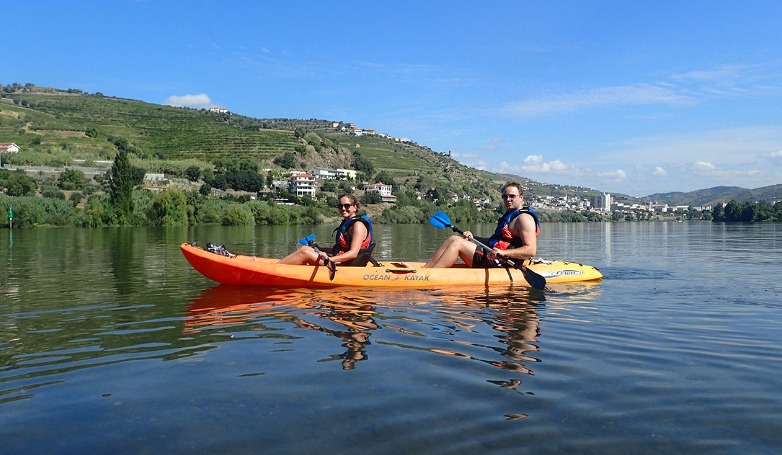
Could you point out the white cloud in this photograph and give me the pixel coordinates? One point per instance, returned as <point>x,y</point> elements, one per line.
<point>659,171</point>
<point>625,95</point>
<point>681,89</point>
<point>616,176</point>
<point>732,80</point>
<point>723,76</point>
<point>532,160</point>
<point>200,101</point>
<point>535,163</point>
<point>704,166</point>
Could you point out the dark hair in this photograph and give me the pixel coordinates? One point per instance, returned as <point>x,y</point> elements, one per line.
<point>353,199</point>
<point>515,185</point>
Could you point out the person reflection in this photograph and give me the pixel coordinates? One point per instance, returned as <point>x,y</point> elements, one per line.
<point>358,323</point>
<point>519,328</point>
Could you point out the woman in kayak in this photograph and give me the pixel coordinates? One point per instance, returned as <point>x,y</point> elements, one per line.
<point>353,246</point>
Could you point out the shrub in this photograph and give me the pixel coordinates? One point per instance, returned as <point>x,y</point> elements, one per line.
<point>53,193</point>
<point>237,215</point>
<point>169,208</point>
<point>76,197</point>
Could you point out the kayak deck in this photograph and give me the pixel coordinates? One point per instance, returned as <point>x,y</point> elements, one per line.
<point>257,271</point>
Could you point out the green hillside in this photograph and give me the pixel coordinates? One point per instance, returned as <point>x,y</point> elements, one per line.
<point>83,122</point>
<point>54,126</point>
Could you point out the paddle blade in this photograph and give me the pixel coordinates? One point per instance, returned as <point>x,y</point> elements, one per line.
<point>307,240</point>
<point>535,279</point>
<point>332,269</point>
<point>440,220</point>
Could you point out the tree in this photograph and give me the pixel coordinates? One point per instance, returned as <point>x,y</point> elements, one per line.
<point>361,164</point>
<point>169,208</point>
<point>193,173</point>
<point>733,210</point>
<point>72,178</point>
<point>384,177</point>
<point>718,213</point>
<point>137,175</point>
<point>245,181</point>
<point>121,186</point>
<point>328,186</point>
<point>371,198</point>
<point>286,161</point>
<point>20,184</point>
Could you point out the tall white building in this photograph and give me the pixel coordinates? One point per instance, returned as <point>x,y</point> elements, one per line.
<point>605,202</point>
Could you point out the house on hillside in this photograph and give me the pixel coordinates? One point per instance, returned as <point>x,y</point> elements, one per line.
<point>346,174</point>
<point>384,191</point>
<point>324,173</point>
<point>8,147</point>
<point>302,185</point>
<point>382,188</point>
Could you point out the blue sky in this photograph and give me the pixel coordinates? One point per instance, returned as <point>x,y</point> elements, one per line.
<point>621,96</point>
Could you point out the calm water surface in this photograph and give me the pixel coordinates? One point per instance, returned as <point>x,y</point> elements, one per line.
<point>111,343</point>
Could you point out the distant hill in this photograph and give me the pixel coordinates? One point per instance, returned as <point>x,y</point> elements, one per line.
<point>717,194</point>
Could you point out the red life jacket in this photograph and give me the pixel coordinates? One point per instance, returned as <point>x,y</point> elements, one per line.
<point>503,238</point>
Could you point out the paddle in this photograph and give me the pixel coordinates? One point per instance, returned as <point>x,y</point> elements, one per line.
<point>310,241</point>
<point>537,281</point>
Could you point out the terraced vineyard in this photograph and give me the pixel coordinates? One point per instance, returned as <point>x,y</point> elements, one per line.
<point>81,126</point>
<point>159,131</point>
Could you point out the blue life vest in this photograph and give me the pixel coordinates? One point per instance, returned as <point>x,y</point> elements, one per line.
<point>502,237</point>
<point>343,239</point>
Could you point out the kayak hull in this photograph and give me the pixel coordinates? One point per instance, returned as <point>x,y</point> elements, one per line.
<point>256,271</point>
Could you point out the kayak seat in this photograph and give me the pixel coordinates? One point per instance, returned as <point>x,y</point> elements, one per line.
<point>363,258</point>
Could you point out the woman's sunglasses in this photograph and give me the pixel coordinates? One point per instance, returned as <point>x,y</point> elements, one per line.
<point>344,206</point>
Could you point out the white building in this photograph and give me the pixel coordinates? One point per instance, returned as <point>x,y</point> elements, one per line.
<point>349,174</point>
<point>384,191</point>
<point>8,147</point>
<point>325,173</point>
<point>302,185</point>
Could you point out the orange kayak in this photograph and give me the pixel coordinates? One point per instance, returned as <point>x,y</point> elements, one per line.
<point>257,271</point>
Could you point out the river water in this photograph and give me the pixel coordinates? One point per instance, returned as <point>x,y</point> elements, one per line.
<point>111,343</point>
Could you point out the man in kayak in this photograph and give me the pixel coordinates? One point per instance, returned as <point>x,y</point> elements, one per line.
<point>353,246</point>
<point>515,237</point>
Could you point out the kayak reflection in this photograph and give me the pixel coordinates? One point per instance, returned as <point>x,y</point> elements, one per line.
<point>498,326</point>
<point>226,306</point>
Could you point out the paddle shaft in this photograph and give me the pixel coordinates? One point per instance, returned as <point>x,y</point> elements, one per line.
<point>533,278</point>
<point>485,247</point>
<point>331,265</point>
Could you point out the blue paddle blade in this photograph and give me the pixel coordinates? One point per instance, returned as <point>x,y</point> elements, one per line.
<point>535,280</point>
<point>440,220</point>
<point>307,240</point>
